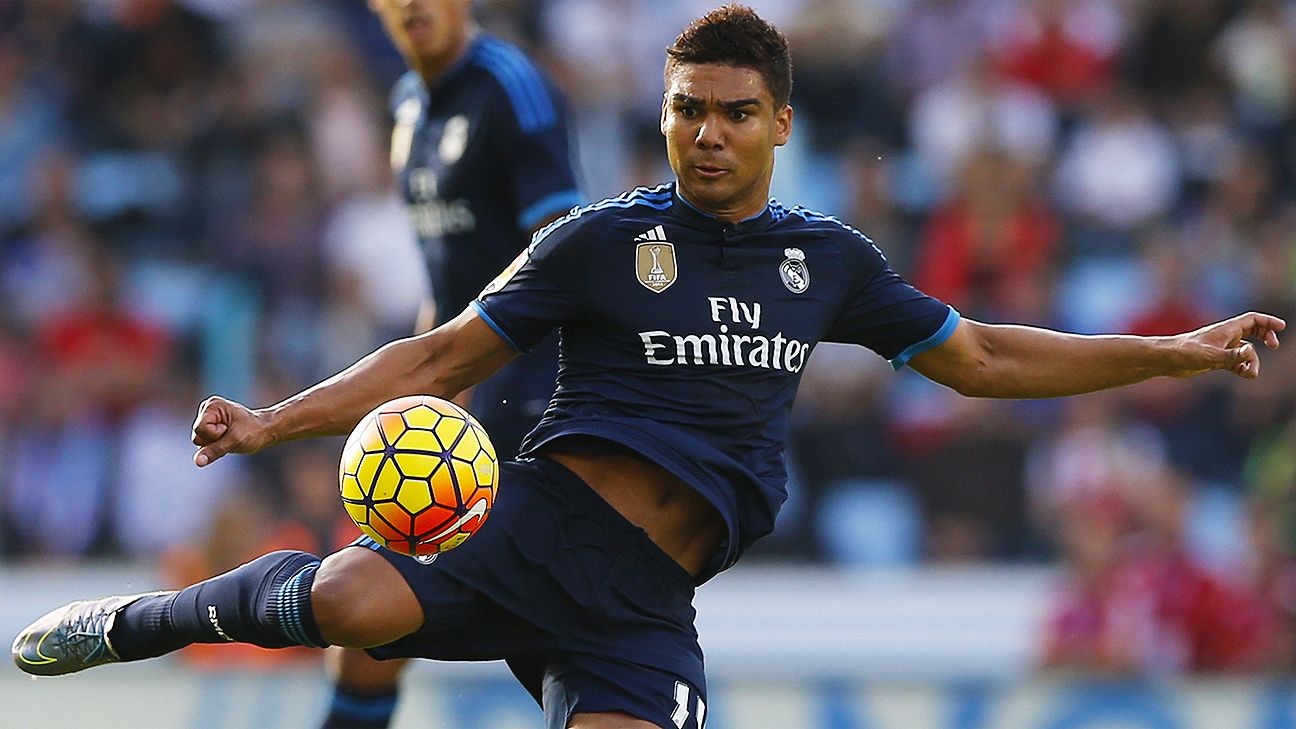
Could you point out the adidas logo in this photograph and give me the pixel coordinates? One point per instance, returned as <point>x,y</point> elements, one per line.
<point>656,233</point>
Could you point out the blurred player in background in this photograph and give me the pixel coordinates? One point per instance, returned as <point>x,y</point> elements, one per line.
<point>481,150</point>
<point>687,312</point>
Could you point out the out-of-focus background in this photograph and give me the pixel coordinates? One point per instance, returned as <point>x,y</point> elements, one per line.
<point>195,198</point>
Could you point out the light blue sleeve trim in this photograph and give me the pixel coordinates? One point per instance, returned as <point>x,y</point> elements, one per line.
<point>951,321</point>
<point>558,202</point>
<point>481,311</point>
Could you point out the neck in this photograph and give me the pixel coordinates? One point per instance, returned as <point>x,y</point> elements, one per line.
<point>728,214</point>
<point>432,68</point>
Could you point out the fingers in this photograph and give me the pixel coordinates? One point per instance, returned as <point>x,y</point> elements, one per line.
<point>1263,327</point>
<point>208,432</point>
<point>209,424</point>
<point>209,429</point>
<point>208,454</point>
<point>208,418</point>
<point>1246,361</point>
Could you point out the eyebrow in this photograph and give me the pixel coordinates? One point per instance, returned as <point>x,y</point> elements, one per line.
<point>736,104</point>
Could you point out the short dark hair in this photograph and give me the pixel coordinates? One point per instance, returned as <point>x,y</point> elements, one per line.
<point>734,35</point>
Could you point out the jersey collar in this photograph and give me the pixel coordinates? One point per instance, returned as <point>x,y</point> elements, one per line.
<point>451,71</point>
<point>689,214</point>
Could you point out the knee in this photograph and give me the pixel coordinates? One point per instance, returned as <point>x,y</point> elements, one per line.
<point>359,600</point>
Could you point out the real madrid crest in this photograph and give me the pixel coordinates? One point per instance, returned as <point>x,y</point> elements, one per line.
<point>793,271</point>
<point>655,260</point>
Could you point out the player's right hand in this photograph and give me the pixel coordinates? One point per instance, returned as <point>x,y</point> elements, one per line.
<point>224,426</point>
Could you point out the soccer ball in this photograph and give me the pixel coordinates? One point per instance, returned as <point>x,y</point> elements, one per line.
<point>418,475</point>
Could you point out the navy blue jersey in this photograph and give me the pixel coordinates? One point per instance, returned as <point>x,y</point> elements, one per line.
<point>482,157</point>
<point>683,338</point>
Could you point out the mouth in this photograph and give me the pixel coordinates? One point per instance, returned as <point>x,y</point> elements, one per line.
<point>709,171</point>
<point>417,24</point>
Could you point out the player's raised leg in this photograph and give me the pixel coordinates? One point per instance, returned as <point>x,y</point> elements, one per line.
<point>353,598</point>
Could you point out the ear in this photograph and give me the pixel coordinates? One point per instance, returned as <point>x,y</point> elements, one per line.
<point>783,125</point>
<point>661,123</point>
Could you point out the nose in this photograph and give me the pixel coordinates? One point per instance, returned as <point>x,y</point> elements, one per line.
<point>709,135</point>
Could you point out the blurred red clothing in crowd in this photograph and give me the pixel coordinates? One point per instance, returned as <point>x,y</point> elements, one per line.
<point>1131,606</point>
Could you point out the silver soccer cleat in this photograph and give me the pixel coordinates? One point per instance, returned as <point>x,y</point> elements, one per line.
<point>71,638</point>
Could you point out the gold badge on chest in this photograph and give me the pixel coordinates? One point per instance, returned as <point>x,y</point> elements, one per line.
<point>655,260</point>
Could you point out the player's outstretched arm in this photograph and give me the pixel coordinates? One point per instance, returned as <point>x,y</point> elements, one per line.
<point>442,362</point>
<point>1010,361</point>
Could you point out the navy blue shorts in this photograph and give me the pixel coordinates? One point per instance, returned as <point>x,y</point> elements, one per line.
<point>589,613</point>
<point>510,402</point>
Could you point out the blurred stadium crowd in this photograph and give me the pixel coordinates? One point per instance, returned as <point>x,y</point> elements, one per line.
<point>195,197</point>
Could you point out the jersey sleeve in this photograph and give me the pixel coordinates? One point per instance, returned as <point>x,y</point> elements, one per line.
<point>888,315</point>
<point>538,291</point>
<point>537,140</point>
<point>543,182</point>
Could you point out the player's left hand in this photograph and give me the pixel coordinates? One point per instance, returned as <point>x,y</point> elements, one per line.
<point>1224,345</point>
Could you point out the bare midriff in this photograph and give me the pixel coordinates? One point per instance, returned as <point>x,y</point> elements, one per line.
<point>674,515</point>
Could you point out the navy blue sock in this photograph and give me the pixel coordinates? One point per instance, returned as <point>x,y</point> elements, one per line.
<point>353,709</point>
<point>265,602</point>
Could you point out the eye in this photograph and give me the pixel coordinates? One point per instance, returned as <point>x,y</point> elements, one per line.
<point>738,115</point>
<point>688,112</point>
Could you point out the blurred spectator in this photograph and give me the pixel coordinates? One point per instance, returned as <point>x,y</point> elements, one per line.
<point>1259,58</point>
<point>377,279</point>
<point>968,476</point>
<point>844,454</point>
<point>979,109</point>
<point>841,91</point>
<point>1066,48</point>
<point>309,474</point>
<point>98,354</point>
<point>161,502</point>
<point>1169,50</point>
<point>935,39</point>
<point>346,126</point>
<point>17,374</point>
<point>1096,455</point>
<point>98,361</point>
<point>277,243</point>
<point>989,248</point>
<point>1133,602</point>
<point>29,125</point>
<point>1121,134</point>
<point>1207,136</point>
<point>1271,572</point>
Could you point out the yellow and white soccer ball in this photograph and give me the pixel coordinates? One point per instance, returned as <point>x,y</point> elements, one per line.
<point>419,475</point>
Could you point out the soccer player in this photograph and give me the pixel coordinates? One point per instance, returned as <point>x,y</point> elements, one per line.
<point>687,313</point>
<point>481,150</point>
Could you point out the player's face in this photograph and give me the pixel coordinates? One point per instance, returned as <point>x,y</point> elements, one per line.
<point>721,129</point>
<point>429,33</point>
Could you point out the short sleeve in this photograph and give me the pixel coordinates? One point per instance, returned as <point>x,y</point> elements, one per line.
<point>889,316</point>
<point>543,182</point>
<point>537,141</point>
<point>538,292</point>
